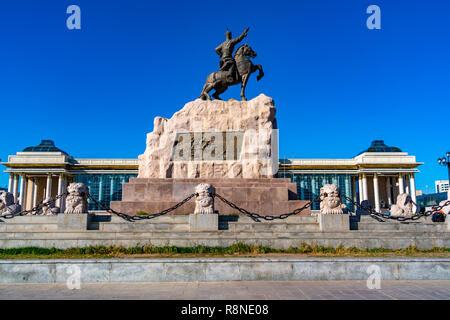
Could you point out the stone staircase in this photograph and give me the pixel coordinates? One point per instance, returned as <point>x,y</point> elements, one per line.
<point>104,229</point>
<point>369,223</point>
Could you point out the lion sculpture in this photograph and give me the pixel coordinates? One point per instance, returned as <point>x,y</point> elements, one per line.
<point>403,207</point>
<point>204,201</point>
<point>76,200</point>
<point>330,197</point>
<point>7,205</point>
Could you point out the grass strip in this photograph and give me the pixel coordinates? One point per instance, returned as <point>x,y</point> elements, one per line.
<point>237,249</point>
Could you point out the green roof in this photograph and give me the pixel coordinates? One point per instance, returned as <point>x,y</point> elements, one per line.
<point>44,146</point>
<point>379,146</point>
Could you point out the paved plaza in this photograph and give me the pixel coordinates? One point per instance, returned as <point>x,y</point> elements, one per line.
<point>257,290</point>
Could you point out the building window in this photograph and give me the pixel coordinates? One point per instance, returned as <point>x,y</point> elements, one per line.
<point>308,185</point>
<point>104,187</point>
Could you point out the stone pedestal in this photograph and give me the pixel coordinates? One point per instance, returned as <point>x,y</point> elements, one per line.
<point>203,222</point>
<point>232,145</point>
<point>333,222</point>
<point>265,196</point>
<point>214,139</point>
<point>73,222</point>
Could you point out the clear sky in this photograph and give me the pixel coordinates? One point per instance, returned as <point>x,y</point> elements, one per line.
<point>337,85</point>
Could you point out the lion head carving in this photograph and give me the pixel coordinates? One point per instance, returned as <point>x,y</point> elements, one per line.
<point>76,201</point>
<point>204,201</point>
<point>330,197</point>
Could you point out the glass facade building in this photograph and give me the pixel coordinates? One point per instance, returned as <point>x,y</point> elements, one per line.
<point>430,200</point>
<point>104,187</point>
<point>308,185</point>
<point>378,175</point>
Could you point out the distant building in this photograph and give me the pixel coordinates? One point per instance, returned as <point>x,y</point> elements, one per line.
<point>419,192</point>
<point>441,186</point>
<point>377,174</point>
<point>430,199</point>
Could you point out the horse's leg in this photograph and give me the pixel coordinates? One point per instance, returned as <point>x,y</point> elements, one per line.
<point>243,85</point>
<point>204,95</point>
<point>219,91</point>
<point>261,72</point>
<point>207,88</point>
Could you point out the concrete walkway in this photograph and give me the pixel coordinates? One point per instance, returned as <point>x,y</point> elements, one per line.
<point>256,290</point>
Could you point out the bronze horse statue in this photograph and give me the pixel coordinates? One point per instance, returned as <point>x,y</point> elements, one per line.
<point>218,80</point>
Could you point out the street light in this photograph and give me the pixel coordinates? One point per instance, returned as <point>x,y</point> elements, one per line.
<point>445,161</point>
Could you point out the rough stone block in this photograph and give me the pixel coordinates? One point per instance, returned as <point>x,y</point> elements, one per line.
<point>204,222</point>
<point>333,222</point>
<point>75,222</point>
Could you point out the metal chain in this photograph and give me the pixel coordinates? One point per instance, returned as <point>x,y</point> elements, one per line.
<point>385,216</point>
<point>256,216</point>
<point>132,218</point>
<point>35,209</point>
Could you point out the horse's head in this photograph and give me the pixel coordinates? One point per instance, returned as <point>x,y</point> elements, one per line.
<point>246,50</point>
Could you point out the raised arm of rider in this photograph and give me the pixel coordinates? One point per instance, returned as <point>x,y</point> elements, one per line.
<point>219,50</point>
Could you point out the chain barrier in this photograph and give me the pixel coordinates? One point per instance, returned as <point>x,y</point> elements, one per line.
<point>35,209</point>
<point>385,216</point>
<point>132,218</point>
<point>256,216</point>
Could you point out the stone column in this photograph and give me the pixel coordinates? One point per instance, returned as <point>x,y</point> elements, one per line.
<point>16,188</point>
<point>34,197</point>
<point>413,191</point>
<point>11,183</point>
<point>401,188</point>
<point>360,189</point>
<point>100,189</point>
<point>60,189</point>
<point>48,191</point>
<point>376,192</point>
<point>111,188</point>
<point>63,199</point>
<point>355,199</point>
<point>407,189</point>
<point>23,190</point>
<point>365,189</point>
<point>388,191</point>
<point>313,186</point>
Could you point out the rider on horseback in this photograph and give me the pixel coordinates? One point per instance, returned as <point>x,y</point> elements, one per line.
<point>225,52</point>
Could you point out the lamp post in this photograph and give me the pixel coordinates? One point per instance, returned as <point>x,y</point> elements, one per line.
<point>445,161</point>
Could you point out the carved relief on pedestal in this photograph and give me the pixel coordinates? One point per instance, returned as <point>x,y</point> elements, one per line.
<point>330,197</point>
<point>204,200</point>
<point>76,200</point>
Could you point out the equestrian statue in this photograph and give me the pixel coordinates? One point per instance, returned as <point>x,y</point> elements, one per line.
<point>233,69</point>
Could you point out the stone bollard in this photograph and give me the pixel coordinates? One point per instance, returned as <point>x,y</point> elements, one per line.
<point>332,217</point>
<point>76,215</point>
<point>204,218</point>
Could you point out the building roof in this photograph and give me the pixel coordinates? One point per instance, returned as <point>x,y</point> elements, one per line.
<point>44,146</point>
<point>379,146</point>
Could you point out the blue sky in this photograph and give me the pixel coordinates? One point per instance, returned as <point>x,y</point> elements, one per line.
<point>337,85</point>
